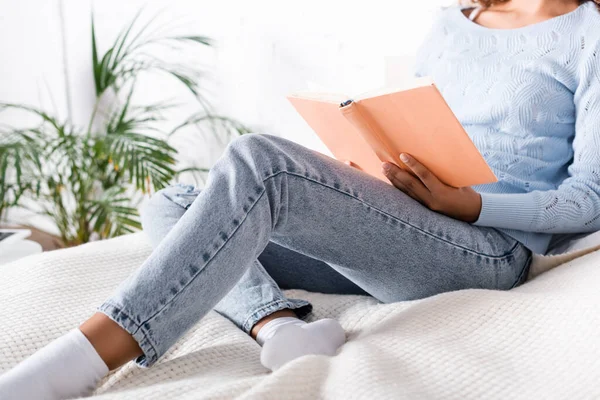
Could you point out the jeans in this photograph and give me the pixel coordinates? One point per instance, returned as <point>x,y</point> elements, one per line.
<point>274,214</point>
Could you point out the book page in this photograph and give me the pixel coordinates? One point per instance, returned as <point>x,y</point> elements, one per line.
<point>322,97</point>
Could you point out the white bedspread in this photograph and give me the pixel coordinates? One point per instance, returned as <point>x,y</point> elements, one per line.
<point>539,341</point>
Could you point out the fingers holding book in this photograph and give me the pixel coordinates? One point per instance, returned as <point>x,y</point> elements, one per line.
<point>409,184</point>
<point>422,185</point>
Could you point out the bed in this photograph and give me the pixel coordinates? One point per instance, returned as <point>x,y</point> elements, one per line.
<point>537,341</point>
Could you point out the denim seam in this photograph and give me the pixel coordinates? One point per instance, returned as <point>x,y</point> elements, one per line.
<point>242,219</point>
<point>526,267</point>
<point>118,308</point>
<point>172,201</point>
<point>107,309</point>
<point>286,302</point>
<point>421,230</point>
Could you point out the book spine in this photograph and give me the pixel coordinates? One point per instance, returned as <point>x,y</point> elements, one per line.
<point>369,130</point>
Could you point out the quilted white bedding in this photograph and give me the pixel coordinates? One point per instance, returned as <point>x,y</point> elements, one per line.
<point>538,341</point>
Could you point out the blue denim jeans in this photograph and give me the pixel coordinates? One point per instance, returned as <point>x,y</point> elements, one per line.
<point>274,214</point>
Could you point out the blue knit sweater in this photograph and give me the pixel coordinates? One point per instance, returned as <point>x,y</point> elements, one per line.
<point>529,98</point>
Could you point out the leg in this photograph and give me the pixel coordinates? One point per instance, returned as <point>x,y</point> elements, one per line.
<point>293,270</point>
<point>267,188</point>
<point>257,295</point>
<point>256,304</point>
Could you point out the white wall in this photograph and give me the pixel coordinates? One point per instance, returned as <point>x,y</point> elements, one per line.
<point>266,49</point>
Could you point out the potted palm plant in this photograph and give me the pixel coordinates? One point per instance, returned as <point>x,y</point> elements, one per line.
<point>88,179</point>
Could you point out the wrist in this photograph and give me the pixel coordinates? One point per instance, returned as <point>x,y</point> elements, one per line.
<point>475,209</point>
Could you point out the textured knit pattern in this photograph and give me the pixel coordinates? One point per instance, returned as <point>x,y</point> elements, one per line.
<point>529,99</point>
<point>538,341</point>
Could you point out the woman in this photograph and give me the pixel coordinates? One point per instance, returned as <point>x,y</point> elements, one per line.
<point>523,76</point>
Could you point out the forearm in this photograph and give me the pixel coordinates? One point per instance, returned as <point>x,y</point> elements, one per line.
<point>558,211</point>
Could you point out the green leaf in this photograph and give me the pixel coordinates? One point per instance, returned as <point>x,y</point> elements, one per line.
<point>121,39</point>
<point>95,65</point>
<point>110,216</point>
<point>194,38</point>
<point>88,182</point>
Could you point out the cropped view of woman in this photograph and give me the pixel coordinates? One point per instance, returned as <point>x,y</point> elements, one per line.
<point>523,78</point>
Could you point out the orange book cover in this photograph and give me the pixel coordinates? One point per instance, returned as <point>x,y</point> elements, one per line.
<point>379,126</point>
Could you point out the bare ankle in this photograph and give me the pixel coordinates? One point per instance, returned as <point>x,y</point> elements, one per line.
<point>277,314</point>
<point>112,343</point>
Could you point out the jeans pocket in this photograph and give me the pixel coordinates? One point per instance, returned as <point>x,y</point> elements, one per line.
<point>181,194</point>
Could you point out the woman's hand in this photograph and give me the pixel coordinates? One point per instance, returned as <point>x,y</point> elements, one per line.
<point>463,204</point>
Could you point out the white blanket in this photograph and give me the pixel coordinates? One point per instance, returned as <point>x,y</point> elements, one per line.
<point>538,341</point>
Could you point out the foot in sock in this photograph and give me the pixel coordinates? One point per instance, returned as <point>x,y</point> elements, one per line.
<point>66,368</point>
<point>291,340</point>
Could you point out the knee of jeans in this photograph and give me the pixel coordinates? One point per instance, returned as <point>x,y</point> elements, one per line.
<point>251,142</point>
<point>253,149</point>
<point>159,203</point>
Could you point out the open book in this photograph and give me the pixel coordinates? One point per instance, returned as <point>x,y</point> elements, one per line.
<point>379,126</point>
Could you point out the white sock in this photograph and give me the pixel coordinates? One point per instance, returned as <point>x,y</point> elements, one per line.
<point>66,368</point>
<point>269,329</point>
<point>290,341</point>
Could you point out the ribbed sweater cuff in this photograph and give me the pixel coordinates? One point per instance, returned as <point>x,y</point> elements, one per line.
<point>508,211</point>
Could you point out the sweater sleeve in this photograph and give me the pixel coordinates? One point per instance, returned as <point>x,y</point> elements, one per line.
<point>575,205</point>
